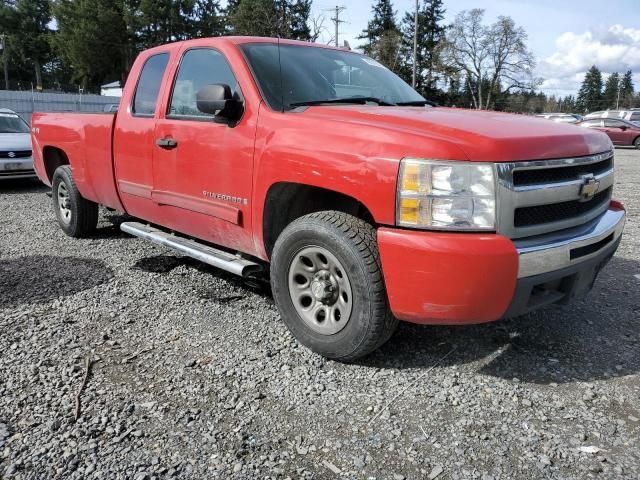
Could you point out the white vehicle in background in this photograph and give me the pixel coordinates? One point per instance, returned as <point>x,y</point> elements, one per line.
<point>631,115</point>
<point>561,117</point>
<point>15,146</point>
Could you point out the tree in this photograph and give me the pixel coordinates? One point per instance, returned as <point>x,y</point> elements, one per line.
<point>33,18</point>
<point>590,93</point>
<point>627,90</point>
<point>492,59</point>
<point>95,53</point>
<point>430,36</point>
<point>610,96</point>
<point>299,13</point>
<point>166,21</point>
<point>210,21</point>
<point>25,24</point>
<point>611,90</point>
<point>270,18</point>
<point>383,37</point>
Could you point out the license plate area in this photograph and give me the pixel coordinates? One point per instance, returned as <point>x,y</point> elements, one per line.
<point>13,166</point>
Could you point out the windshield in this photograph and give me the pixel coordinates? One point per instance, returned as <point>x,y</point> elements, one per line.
<point>12,124</point>
<point>314,74</point>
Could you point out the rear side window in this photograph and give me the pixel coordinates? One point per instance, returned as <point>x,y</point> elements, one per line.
<point>146,96</point>
<point>635,116</point>
<point>199,67</point>
<point>613,123</point>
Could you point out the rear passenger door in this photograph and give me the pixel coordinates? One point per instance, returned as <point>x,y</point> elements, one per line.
<point>134,137</point>
<point>202,169</point>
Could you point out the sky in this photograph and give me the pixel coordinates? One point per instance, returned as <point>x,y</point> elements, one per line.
<point>566,36</point>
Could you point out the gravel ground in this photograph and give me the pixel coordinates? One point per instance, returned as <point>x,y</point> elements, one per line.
<point>195,376</point>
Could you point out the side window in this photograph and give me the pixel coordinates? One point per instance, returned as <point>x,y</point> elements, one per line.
<point>199,67</point>
<point>591,123</point>
<point>148,88</point>
<point>635,116</point>
<point>613,123</point>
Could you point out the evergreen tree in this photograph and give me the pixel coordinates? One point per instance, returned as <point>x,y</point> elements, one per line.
<point>590,94</point>
<point>430,34</point>
<point>254,17</point>
<point>611,90</point>
<point>270,18</point>
<point>33,19</point>
<point>95,53</point>
<point>382,36</point>
<point>298,22</point>
<point>25,24</point>
<point>210,21</point>
<point>568,104</point>
<point>627,90</point>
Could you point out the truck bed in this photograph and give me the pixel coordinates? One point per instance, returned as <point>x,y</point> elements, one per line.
<point>86,140</point>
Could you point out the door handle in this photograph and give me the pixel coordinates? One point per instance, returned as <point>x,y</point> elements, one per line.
<point>167,143</point>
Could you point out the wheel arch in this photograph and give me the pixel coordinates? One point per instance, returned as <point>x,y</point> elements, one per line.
<point>287,201</point>
<point>52,158</point>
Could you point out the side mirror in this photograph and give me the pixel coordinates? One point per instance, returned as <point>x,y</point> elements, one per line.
<point>219,101</point>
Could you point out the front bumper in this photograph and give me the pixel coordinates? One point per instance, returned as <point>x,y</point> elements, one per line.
<point>465,278</point>
<point>12,168</point>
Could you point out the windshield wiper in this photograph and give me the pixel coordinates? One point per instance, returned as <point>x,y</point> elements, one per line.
<point>356,100</point>
<point>417,103</point>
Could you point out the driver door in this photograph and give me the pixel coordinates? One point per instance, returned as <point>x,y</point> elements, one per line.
<point>202,168</point>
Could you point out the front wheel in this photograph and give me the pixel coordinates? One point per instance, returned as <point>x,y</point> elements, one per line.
<point>327,282</point>
<point>636,143</point>
<point>77,216</point>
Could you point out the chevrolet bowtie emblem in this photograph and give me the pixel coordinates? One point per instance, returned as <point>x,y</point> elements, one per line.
<point>589,187</point>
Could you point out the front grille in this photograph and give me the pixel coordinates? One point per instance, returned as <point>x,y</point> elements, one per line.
<point>560,174</point>
<point>529,216</point>
<point>15,154</point>
<point>543,196</point>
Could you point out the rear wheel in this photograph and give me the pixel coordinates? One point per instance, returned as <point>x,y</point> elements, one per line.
<point>636,143</point>
<point>328,285</point>
<point>77,216</point>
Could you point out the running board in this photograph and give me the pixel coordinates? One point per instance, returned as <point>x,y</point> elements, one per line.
<point>191,248</point>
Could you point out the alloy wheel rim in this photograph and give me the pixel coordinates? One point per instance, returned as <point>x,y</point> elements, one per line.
<point>320,290</point>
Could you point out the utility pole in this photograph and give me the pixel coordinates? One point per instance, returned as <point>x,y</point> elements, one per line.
<point>3,38</point>
<point>415,45</point>
<point>618,95</point>
<point>336,20</point>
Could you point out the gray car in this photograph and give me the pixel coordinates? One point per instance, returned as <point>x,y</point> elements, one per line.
<point>15,146</point>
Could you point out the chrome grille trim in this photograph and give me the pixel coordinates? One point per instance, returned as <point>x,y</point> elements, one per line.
<point>510,197</point>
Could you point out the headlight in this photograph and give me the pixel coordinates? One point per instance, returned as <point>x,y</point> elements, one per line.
<point>446,195</point>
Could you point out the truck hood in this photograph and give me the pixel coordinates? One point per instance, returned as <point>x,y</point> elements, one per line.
<point>15,142</point>
<point>481,135</point>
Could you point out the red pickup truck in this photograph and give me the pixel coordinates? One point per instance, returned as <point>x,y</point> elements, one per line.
<point>362,201</point>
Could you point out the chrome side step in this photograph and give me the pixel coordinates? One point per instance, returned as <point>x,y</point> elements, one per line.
<point>191,248</point>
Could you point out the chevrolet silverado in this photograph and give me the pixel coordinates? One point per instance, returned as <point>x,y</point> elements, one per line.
<point>363,202</point>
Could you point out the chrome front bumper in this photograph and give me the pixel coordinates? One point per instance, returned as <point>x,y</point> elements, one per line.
<point>567,248</point>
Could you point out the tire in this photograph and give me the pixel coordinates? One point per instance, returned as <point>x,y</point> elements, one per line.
<point>636,143</point>
<point>77,216</point>
<point>350,269</point>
